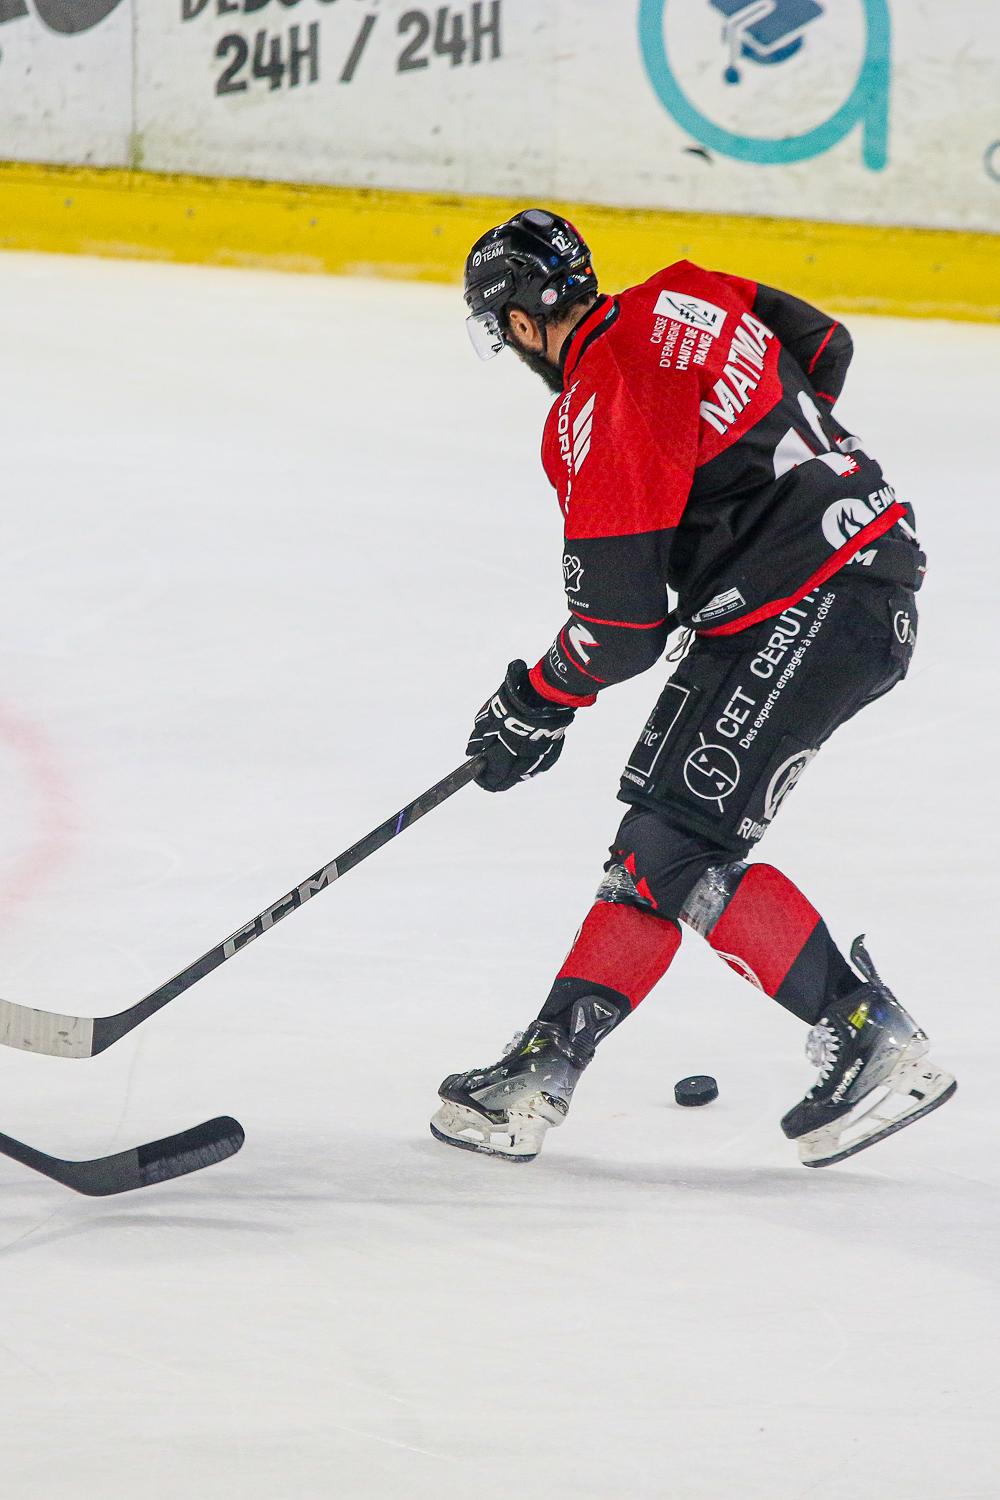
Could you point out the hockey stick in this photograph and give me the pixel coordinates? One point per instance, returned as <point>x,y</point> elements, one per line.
<point>84,1036</point>
<point>159,1161</point>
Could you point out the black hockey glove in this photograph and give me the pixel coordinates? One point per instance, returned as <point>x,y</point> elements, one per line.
<point>518,732</point>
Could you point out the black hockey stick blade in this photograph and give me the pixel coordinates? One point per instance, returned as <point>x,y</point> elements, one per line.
<point>57,1035</point>
<point>159,1161</point>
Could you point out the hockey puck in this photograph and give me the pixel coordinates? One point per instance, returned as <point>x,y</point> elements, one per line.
<point>701,1089</point>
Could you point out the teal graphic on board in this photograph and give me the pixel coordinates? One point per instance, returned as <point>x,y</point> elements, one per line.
<point>755,41</point>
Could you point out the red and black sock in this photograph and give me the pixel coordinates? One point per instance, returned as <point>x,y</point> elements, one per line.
<point>777,940</point>
<point>620,952</point>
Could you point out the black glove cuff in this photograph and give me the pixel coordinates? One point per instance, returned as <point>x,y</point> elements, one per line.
<point>525,699</point>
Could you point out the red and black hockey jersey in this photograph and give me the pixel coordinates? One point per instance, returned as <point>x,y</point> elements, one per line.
<point>694,445</point>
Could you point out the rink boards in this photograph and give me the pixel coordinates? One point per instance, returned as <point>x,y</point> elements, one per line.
<point>422,236</point>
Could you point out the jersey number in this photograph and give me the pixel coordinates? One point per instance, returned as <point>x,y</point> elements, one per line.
<point>793,448</point>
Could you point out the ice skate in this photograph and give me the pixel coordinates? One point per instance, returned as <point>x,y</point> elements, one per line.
<point>505,1110</point>
<point>875,1076</point>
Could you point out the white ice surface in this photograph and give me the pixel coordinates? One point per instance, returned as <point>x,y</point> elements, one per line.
<point>267,543</point>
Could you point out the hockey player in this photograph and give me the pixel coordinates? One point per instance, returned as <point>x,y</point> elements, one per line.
<point>693,444</point>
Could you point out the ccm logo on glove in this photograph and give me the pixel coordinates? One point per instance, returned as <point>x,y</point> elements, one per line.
<point>517,733</point>
<point>529,731</point>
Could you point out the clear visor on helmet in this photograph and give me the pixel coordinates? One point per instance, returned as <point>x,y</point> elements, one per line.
<point>485,333</point>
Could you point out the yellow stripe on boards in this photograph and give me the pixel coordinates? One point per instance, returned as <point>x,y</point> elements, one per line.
<point>424,237</point>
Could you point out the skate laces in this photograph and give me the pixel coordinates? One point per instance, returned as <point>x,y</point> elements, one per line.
<point>508,1051</point>
<point>823,1049</point>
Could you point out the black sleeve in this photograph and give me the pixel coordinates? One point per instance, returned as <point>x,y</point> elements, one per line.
<point>619,621</point>
<point>820,345</point>
<point>588,655</point>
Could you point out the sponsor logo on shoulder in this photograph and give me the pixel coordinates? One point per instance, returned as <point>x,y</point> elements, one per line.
<point>694,311</point>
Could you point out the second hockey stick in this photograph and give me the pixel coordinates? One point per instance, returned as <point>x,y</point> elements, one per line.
<point>158,1161</point>
<point>84,1036</point>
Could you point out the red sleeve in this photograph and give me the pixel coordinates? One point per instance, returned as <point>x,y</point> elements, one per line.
<point>634,443</point>
<point>628,442</point>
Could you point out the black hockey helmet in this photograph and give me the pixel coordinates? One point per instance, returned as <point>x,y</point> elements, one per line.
<point>535,261</point>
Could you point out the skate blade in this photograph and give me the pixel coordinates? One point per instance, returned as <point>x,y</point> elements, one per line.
<point>913,1090</point>
<point>519,1140</point>
<point>481,1146</point>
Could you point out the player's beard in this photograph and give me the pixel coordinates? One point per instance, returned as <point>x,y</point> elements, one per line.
<point>541,366</point>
